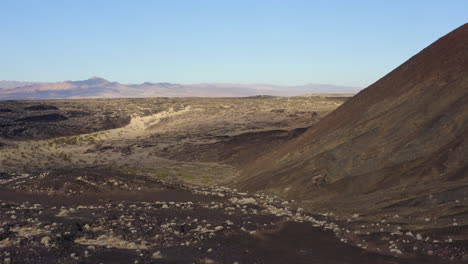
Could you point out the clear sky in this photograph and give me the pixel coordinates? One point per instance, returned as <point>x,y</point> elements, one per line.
<point>241,41</point>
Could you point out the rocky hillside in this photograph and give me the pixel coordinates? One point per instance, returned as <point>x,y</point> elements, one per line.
<point>405,132</point>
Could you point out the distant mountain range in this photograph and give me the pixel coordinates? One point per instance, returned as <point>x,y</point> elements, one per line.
<point>96,87</point>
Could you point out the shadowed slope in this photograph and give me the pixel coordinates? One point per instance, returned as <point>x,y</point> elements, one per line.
<point>409,127</point>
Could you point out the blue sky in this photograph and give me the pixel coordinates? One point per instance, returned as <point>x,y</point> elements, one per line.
<point>240,41</point>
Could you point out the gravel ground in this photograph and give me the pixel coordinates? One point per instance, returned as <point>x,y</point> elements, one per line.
<point>113,219</point>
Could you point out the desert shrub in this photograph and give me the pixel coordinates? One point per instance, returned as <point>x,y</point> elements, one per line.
<point>65,157</point>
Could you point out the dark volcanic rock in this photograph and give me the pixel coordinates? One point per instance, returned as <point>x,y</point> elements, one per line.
<point>41,107</point>
<point>115,121</point>
<point>43,118</point>
<point>77,113</point>
<point>169,223</point>
<point>4,176</point>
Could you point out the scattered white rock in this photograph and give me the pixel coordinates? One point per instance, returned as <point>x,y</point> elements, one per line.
<point>45,241</point>
<point>74,255</point>
<point>396,250</point>
<point>157,255</point>
<point>63,212</point>
<point>243,201</point>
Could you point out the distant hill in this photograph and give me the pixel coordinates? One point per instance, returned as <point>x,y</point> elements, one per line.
<point>404,136</point>
<point>8,85</point>
<point>96,87</point>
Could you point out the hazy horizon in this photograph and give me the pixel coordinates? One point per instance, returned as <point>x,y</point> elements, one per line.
<point>201,83</point>
<point>96,87</point>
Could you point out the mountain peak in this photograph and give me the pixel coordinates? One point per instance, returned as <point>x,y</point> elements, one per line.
<point>93,81</point>
<point>96,78</point>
